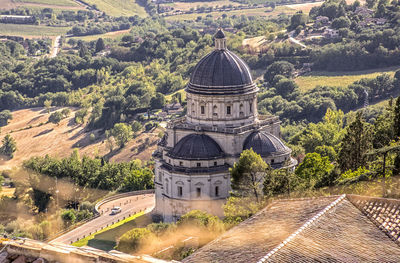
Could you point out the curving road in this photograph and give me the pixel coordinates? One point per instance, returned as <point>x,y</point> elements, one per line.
<point>130,205</point>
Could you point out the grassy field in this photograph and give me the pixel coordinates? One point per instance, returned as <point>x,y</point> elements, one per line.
<point>265,12</point>
<point>305,8</point>
<point>119,7</point>
<point>111,35</point>
<point>314,79</point>
<point>31,30</point>
<point>49,2</point>
<point>106,238</point>
<point>185,6</point>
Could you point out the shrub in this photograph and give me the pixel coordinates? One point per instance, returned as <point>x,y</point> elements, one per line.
<point>202,219</point>
<point>92,137</point>
<point>56,117</point>
<point>132,240</point>
<point>68,216</point>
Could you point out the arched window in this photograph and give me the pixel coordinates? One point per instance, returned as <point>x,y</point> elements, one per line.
<point>202,109</point>
<point>228,110</point>
<point>215,111</point>
<point>251,106</point>
<point>241,113</point>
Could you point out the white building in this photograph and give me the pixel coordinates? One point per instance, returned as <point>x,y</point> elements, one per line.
<point>193,159</point>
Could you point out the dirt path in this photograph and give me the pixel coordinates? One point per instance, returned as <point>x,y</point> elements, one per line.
<point>56,47</point>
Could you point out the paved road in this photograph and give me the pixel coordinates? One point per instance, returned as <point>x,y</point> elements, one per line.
<point>130,205</point>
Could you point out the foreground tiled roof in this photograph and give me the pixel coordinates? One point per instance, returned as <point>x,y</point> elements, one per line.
<point>325,229</point>
<point>258,235</point>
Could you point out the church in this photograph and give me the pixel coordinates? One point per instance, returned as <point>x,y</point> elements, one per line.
<point>192,161</point>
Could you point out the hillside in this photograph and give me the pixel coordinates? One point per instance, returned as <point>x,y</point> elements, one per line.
<point>35,137</point>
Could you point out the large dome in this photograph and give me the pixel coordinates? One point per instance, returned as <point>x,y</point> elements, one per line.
<point>221,68</point>
<point>196,146</point>
<point>221,72</point>
<point>265,144</point>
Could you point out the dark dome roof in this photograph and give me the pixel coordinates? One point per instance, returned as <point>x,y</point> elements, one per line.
<point>221,72</point>
<point>265,144</point>
<point>196,146</point>
<point>221,68</point>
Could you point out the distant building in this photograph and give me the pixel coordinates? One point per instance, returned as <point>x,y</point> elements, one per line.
<point>173,108</point>
<point>345,228</point>
<point>331,33</point>
<point>370,21</point>
<point>380,21</point>
<point>193,158</point>
<point>11,19</point>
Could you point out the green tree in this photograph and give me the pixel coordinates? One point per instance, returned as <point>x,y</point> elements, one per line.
<point>122,133</point>
<point>356,143</point>
<point>285,87</point>
<point>341,22</point>
<point>248,173</point>
<point>83,50</point>
<point>5,116</point>
<point>283,68</point>
<point>327,133</point>
<point>385,127</point>
<point>9,146</point>
<point>279,181</point>
<point>397,118</point>
<point>66,112</point>
<point>370,3</point>
<point>69,217</point>
<point>100,45</point>
<point>136,126</point>
<point>158,101</point>
<point>47,105</point>
<point>56,117</point>
<point>298,19</point>
<point>314,170</point>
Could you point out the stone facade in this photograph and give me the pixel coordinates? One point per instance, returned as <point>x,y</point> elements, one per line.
<point>193,159</point>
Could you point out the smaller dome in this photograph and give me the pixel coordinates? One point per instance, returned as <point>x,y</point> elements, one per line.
<point>196,146</point>
<point>265,144</point>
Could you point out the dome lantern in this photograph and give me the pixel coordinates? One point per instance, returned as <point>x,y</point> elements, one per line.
<point>220,40</point>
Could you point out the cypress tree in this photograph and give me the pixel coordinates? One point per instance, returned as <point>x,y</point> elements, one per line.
<point>100,45</point>
<point>397,118</point>
<point>355,145</point>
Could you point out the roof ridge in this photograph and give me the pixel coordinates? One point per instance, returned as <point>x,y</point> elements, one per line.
<point>305,198</point>
<point>302,228</point>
